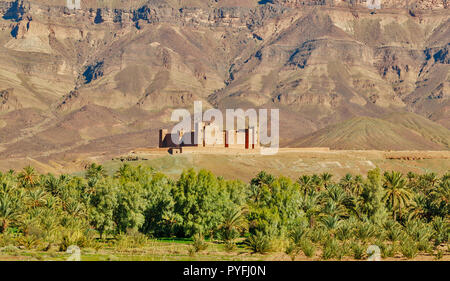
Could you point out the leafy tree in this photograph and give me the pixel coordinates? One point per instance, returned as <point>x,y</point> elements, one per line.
<point>397,196</point>
<point>102,206</point>
<point>202,202</point>
<point>130,206</point>
<point>160,217</point>
<point>277,206</point>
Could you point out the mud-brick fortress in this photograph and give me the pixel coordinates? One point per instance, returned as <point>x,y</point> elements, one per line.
<point>209,136</point>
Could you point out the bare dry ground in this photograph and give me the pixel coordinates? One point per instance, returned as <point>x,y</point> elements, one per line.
<point>291,162</point>
<point>237,165</point>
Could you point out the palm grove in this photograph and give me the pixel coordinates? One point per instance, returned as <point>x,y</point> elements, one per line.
<point>316,215</point>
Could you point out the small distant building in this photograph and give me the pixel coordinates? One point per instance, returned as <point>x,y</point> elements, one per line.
<point>207,135</point>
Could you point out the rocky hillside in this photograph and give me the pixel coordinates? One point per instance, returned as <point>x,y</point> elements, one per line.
<point>104,78</point>
<point>398,131</point>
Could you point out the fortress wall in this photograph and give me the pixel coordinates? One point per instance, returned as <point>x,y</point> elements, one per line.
<point>210,136</point>
<point>302,149</point>
<point>218,150</point>
<point>240,150</point>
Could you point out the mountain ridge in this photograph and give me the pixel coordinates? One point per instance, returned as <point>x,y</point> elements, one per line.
<point>321,62</point>
<point>405,131</point>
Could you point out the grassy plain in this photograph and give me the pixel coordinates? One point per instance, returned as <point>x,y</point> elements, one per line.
<point>178,250</point>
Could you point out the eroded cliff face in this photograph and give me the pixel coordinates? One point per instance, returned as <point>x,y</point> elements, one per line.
<point>129,64</point>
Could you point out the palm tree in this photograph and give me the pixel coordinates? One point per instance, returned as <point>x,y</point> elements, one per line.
<point>74,208</point>
<point>95,171</point>
<point>257,185</point>
<point>397,195</point>
<point>126,172</point>
<point>331,222</point>
<point>347,182</point>
<point>305,183</point>
<point>52,184</point>
<point>411,176</point>
<point>416,210</point>
<point>9,210</point>
<point>8,186</point>
<point>442,191</point>
<point>358,185</point>
<point>28,176</point>
<point>310,205</point>
<point>432,178</point>
<point>438,199</point>
<point>337,201</point>
<point>234,222</point>
<point>326,178</point>
<point>332,208</point>
<point>36,198</point>
<point>316,182</point>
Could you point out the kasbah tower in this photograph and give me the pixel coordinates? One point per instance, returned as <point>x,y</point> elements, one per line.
<point>208,136</point>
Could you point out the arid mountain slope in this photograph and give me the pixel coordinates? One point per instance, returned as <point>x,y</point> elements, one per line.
<point>107,76</point>
<point>405,131</point>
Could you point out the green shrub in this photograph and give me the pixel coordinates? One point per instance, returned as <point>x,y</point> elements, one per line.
<point>424,246</point>
<point>394,233</point>
<point>297,234</point>
<point>137,239</point>
<point>365,231</point>
<point>292,251</point>
<point>10,249</point>
<point>358,251</point>
<point>123,242</point>
<point>441,230</point>
<point>319,235</point>
<point>74,237</point>
<point>439,254</point>
<point>418,230</point>
<point>230,246</point>
<point>344,232</point>
<point>199,244</point>
<point>331,249</point>
<point>308,248</point>
<point>6,238</point>
<point>388,251</point>
<point>258,243</point>
<point>28,241</point>
<point>97,246</point>
<point>409,249</point>
<point>346,249</point>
